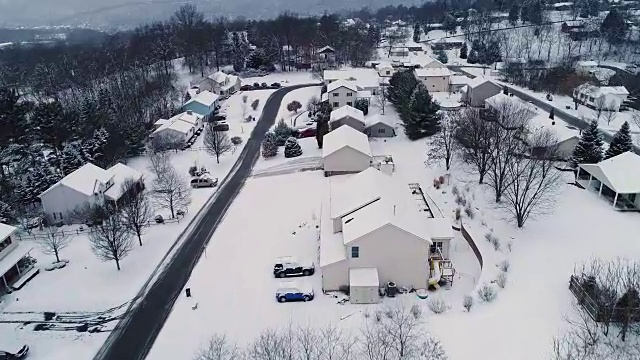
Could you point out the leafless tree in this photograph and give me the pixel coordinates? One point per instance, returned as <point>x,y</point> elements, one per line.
<point>473,137</point>
<point>443,143</point>
<point>273,345</point>
<point>165,141</point>
<point>217,142</point>
<point>171,191</point>
<point>610,115</point>
<point>245,98</point>
<point>219,348</point>
<point>53,242</point>
<point>29,217</point>
<point>89,214</point>
<point>382,98</point>
<point>158,163</point>
<point>336,344</point>
<point>111,240</point>
<point>308,341</point>
<point>601,105</point>
<point>395,37</point>
<point>532,181</point>
<point>136,210</point>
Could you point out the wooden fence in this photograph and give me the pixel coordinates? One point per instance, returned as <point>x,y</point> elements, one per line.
<point>597,311</point>
<point>472,244</point>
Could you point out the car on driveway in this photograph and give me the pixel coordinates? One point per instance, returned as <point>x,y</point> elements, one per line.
<point>294,291</point>
<point>204,182</point>
<point>308,132</point>
<point>286,266</point>
<point>20,354</point>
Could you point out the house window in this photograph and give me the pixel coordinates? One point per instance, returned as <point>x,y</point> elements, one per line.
<point>60,216</point>
<point>335,104</point>
<point>388,72</point>
<point>591,99</point>
<point>335,94</point>
<point>381,131</point>
<point>433,85</point>
<point>349,94</point>
<point>4,244</point>
<point>435,247</point>
<point>349,103</point>
<point>355,252</point>
<point>54,216</point>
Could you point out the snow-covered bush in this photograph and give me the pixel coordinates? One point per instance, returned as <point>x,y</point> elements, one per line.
<point>193,169</point>
<point>493,240</point>
<point>269,147</point>
<point>467,302</point>
<point>455,190</point>
<point>487,293</point>
<point>460,200</point>
<point>416,311</point>
<point>469,211</point>
<point>254,104</point>
<point>292,148</point>
<point>458,213</point>
<point>437,305</point>
<point>56,265</point>
<point>501,280</point>
<point>504,265</point>
<point>236,140</point>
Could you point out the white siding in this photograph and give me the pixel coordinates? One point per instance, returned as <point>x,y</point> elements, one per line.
<point>340,97</point>
<point>62,199</point>
<point>398,255</point>
<point>446,246</point>
<point>177,133</point>
<point>335,275</point>
<point>436,83</point>
<point>346,160</point>
<point>7,250</point>
<point>364,295</point>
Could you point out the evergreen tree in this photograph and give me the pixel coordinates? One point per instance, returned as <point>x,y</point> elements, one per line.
<point>401,87</point>
<point>72,157</point>
<point>552,114</point>
<point>449,23</point>
<point>417,31</point>
<point>269,147</point>
<point>38,178</point>
<point>621,143</point>
<point>13,118</point>
<point>54,129</point>
<point>292,148</point>
<point>614,27</point>
<point>441,56</point>
<point>589,148</point>
<point>514,14</point>
<point>423,118</point>
<point>463,51</point>
<point>94,148</point>
<point>362,105</point>
<point>473,56</point>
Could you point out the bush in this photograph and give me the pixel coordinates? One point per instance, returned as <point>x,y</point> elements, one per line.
<point>501,280</point>
<point>292,148</point>
<point>458,214</point>
<point>269,147</point>
<point>56,265</point>
<point>504,265</point>
<point>254,104</point>
<point>460,200</point>
<point>236,140</point>
<point>493,240</point>
<point>193,170</point>
<point>467,302</point>
<point>282,130</point>
<point>416,311</point>
<point>362,105</point>
<point>437,305</point>
<point>455,190</point>
<point>487,293</point>
<point>294,106</point>
<point>469,211</point>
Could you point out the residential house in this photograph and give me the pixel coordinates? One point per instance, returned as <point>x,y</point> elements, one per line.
<point>568,26</point>
<point>347,115</point>
<point>436,79</point>
<point>478,90</point>
<point>367,79</point>
<point>16,266</point>
<point>431,63</point>
<point>344,93</point>
<point>601,97</point>
<point>385,69</point>
<point>457,83</point>
<point>345,150</point>
<point>446,44</point>
<point>364,212</point>
<point>91,185</point>
<point>220,83</point>
<point>379,126</point>
<point>506,103</point>
<point>567,136</point>
<point>182,126</point>
<point>617,178</point>
<point>563,6</point>
<point>399,51</point>
<point>326,55</point>
<point>586,68</point>
<point>415,47</point>
<point>203,103</point>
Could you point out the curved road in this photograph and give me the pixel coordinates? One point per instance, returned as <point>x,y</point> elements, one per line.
<point>134,336</point>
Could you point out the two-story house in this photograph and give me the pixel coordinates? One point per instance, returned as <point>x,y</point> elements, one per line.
<point>608,98</point>
<point>15,267</point>
<point>182,126</point>
<point>219,83</point>
<point>436,79</point>
<point>367,79</point>
<point>91,185</point>
<point>344,92</point>
<point>203,103</point>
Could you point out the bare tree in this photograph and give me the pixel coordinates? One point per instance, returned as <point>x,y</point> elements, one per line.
<point>136,210</point>
<point>219,348</point>
<point>272,345</point>
<point>533,181</point>
<point>158,163</point>
<point>29,217</point>
<point>165,141</point>
<point>601,105</point>
<point>111,240</point>
<point>217,142</point>
<point>171,191</point>
<point>610,115</point>
<point>245,98</point>
<point>473,137</point>
<point>382,98</point>
<point>444,143</point>
<point>53,242</point>
<point>395,37</point>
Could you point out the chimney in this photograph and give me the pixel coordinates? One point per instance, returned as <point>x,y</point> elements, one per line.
<point>189,112</point>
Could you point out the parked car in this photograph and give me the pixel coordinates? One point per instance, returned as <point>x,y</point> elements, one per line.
<point>549,97</point>
<point>221,126</point>
<point>294,291</point>
<point>219,117</point>
<point>158,219</point>
<point>256,85</point>
<point>308,132</point>
<point>20,354</point>
<point>276,85</point>
<point>204,182</point>
<point>246,87</point>
<point>288,266</point>
<point>264,85</point>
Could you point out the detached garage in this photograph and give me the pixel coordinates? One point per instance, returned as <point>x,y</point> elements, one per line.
<point>345,151</point>
<point>364,286</point>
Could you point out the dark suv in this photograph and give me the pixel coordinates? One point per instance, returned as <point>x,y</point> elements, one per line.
<point>287,266</point>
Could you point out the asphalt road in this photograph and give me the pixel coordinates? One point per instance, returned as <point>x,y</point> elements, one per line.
<point>133,338</point>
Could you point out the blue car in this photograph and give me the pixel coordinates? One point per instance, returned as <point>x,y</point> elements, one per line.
<point>294,291</point>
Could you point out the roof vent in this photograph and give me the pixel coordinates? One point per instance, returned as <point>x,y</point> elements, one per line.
<point>348,221</point>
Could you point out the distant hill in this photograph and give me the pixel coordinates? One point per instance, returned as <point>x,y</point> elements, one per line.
<point>126,13</point>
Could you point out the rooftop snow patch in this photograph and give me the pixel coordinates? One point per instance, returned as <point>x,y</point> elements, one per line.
<point>597,91</point>
<point>219,77</point>
<point>349,84</point>
<point>347,111</point>
<point>620,173</point>
<point>439,228</point>
<point>364,77</point>
<point>459,80</point>
<point>6,231</point>
<point>379,119</point>
<point>358,190</point>
<point>475,82</point>
<point>433,72</point>
<point>587,63</point>
<point>83,179</point>
<point>364,277</point>
<point>120,173</point>
<point>345,136</point>
<point>206,98</point>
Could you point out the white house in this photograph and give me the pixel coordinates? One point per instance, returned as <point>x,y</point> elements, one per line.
<point>567,136</point>
<point>89,184</point>
<point>457,83</point>
<point>436,79</point>
<point>601,97</point>
<point>367,79</point>
<point>385,69</point>
<point>344,93</point>
<point>586,68</point>
<point>617,178</point>
<point>345,150</point>
<point>220,83</point>
<point>364,213</point>
<point>347,115</point>
<point>182,126</point>
<point>14,269</point>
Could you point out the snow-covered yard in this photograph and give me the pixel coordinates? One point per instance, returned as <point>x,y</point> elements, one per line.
<point>285,79</point>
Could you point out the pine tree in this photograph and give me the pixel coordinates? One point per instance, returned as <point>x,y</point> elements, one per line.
<point>614,27</point>
<point>514,14</point>
<point>441,55</point>
<point>621,143</point>
<point>589,148</point>
<point>473,56</point>
<point>423,118</point>
<point>362,105</point>
<point>269,147</point>
<point>292,148</point>
<point>401,87</point>
<point>72,157</point>
<point>463,51</point>
<point>417,31</point>
<point>282,130</point>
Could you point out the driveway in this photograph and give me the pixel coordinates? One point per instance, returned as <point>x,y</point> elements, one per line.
<point>134,336</point>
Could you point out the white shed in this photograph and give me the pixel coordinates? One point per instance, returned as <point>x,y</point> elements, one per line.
<point>364,286</point>
<point>345,151</point>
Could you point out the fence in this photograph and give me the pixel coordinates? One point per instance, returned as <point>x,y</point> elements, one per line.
<point>472,244</point>
<point>598,311</point>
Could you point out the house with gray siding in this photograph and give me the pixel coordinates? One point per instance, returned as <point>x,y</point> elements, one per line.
<point>379,126</point>
<point>478,90</point>
<point>347,115</point>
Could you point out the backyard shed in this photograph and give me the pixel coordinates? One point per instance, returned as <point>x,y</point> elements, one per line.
<point>364,286</point>
<point>345,151</point>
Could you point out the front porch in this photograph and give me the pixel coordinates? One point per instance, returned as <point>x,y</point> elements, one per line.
<point>620,201</point>
<point>17,268</point>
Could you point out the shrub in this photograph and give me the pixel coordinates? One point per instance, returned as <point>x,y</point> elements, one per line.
<point>460,200</point>
<point>442,179</point>
<point>269,147</point>
<point>501,280</point>
<point>437,305</point>
<point>193,170</point>
<point>292,148</point>
<point>487,293</point>
<point>282,130</point>
<point>493,240</point>
<point>294,106</point>
<point>416,311</point>
<point>467,302</point>
<point>469,211</point>
<point>504,265</point>
<point>236,140</point>
<point>436,183</point>
<point>254,104</point>
<point>458,214</point>
<point>455,190</point>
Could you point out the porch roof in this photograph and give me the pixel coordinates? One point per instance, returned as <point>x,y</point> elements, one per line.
<point>620,173</point>
<point>13,257</point>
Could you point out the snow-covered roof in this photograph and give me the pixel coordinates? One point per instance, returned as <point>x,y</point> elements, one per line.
<point>345,111</point>
<point>364,277</point>
<point>364,77</point>
<point>620,173</point>
<point>439,228</point>
<point>379,119</point>
<point>588,63</point>
<point>359,190</point>
<point>598,91</point>
<point>193,92</point>
<point>186,117</point>
<point>363,94</point>
<point>324,97</point>
<point>5,231</point>
<point>562,4</point>
<point>562,130</point>
<point>432,72</point>
<point>432,63</point>
<point>233,80</point>
<point>84,179</point>
<point>120,173</point>
<point>206,98</point>
<point>383,65</point>
<point>12,258</point>
<point>351,85</point>
<point>345,136</point>
<point>326,49</point>
<point>160,122</point>
<point>218,77</point>
<point>459,80</point>
<point>477,81</point>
